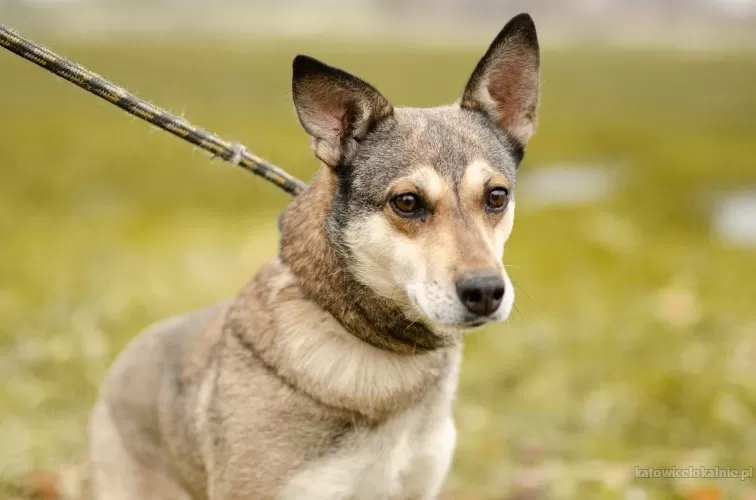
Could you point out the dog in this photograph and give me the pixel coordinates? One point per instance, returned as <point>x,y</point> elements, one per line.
<point>331,374</point>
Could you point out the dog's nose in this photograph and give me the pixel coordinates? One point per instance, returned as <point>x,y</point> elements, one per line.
<point>481,293</point>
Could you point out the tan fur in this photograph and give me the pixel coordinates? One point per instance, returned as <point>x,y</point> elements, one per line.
<point>301,372</point>
<point>322,278</point>
<point>414,263</point>
<point>194,408</point>
<point>331,374</point>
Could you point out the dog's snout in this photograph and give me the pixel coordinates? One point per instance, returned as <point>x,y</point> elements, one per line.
<point>481,293</point>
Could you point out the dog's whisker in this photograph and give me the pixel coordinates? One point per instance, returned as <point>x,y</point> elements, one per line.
<point>418,317</point>
<point>520,289</point>
<point>517,310</point>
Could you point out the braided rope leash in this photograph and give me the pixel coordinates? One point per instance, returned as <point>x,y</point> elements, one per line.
<point>234,153</point>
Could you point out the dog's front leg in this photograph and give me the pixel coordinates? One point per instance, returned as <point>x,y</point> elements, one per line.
<point>431,464</point>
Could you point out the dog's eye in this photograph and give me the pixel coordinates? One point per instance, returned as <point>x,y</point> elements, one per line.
<point>496,199</point>
<point>407,204</point>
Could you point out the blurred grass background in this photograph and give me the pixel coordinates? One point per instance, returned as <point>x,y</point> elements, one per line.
<point>634,339</point>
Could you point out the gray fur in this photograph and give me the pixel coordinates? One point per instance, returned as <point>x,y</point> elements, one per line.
<point>313,383</point>
<point>446,138</point>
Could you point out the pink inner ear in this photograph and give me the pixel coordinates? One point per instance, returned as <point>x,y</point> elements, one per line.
<point>513,86</point>
<point>324,113</point>
<point>334,121</point>
<point>332,115</point>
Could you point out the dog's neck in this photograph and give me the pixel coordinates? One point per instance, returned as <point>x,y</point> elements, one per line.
<point>326,279</point>
<point>319,330</point>
<point>305,347</point>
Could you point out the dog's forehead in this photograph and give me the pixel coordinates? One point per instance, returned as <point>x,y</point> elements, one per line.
<point>447,139</point>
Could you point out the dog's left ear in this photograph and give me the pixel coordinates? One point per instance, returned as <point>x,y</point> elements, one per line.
<point>504,84</point>
<point>335,108</point>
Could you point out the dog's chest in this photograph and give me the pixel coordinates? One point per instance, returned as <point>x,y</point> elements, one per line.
<point>403,458</point>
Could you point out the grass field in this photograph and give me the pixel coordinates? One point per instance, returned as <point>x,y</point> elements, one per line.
<point>634,340</point>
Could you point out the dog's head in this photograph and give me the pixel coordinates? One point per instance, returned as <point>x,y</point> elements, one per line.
<point>424,198</point>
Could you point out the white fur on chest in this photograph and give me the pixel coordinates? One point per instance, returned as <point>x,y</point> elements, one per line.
<point>408,457</point>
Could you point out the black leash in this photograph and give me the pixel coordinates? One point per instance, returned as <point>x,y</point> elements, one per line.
<point>91,82</point>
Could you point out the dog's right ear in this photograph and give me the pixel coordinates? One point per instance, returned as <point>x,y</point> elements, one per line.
<point>335,108</point>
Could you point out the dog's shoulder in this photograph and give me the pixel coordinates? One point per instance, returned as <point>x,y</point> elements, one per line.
<point>205,329</point>
<point>177,342</point>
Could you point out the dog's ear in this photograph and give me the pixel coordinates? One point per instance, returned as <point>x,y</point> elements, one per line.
<point>335,108</point>
<point>504,84</point>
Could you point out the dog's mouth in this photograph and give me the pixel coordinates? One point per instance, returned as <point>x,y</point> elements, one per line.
<point>474,323</point>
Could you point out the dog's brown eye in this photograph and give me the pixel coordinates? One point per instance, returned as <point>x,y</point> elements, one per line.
<point>406,204</point>
<point>497,199</point>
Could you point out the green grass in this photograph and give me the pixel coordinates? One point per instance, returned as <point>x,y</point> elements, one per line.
<point>634,339</point>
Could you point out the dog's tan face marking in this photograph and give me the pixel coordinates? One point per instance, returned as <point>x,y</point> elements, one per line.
<point>479,179</point>
<point>417,260</point>
<point>428,187</point>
